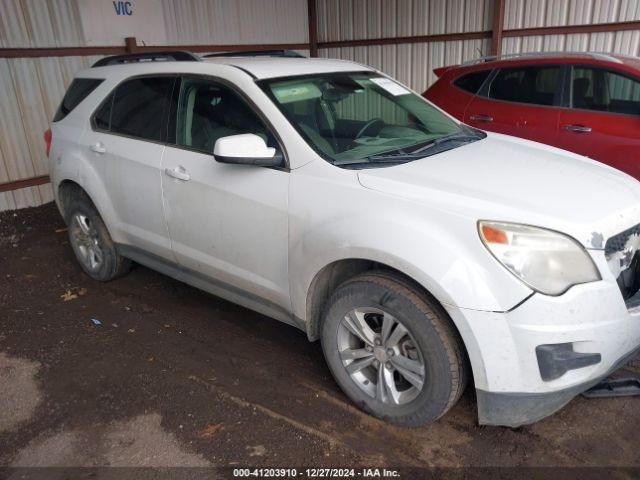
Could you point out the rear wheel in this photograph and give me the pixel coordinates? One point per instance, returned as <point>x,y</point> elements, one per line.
<point>91,242</point>
<point>393,350</point>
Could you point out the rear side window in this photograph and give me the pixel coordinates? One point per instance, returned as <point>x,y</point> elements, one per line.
<point>471,82</point>
<point>535,85</point>
<point>604,91</point>
<point>79,89</point>
<point>139,107</point>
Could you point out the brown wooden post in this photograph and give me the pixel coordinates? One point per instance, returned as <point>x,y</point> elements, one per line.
<point>130,44</point>
<point>313,28</point>
<point>497,27</point>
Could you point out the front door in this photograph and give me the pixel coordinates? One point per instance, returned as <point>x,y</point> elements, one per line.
<point>228,224</point>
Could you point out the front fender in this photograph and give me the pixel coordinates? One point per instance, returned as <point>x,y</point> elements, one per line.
<point>455,269</point>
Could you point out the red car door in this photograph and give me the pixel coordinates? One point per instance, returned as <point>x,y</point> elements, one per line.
<point>603,121</point>
<point>520,101</point>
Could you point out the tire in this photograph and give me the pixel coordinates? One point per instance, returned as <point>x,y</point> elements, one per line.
<point>423,365</point>
<point>94,249</point>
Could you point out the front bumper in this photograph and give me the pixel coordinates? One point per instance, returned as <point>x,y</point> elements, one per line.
<point>516,409</point>
<point>511,391</point>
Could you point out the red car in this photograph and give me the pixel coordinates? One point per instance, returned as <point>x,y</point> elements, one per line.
<point>588,103</point>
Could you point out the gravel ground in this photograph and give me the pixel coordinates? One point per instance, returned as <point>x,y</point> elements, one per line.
<point>173,376</point>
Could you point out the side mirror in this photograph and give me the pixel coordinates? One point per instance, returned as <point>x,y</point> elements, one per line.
<point>246,149</point>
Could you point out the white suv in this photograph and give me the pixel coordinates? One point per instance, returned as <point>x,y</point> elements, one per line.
<point>326,195</point>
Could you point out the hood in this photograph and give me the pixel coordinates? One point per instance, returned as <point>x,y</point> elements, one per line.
<point>509,179</point>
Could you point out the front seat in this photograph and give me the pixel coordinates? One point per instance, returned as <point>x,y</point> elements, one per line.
<point>203,123</point>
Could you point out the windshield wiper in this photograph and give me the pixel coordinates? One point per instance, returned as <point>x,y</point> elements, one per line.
<point>464,136</point>
<point>457,136</point>
<point>390,158</point>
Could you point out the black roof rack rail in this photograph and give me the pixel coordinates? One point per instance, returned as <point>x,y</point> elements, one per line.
<point>256,53</point>
<point>171,56</point>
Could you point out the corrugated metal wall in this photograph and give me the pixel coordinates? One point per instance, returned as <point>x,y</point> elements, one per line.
<point>213,22</point>
<point>413,64</point>
<point>31,88</point>
<point>358,19</point>
<point>546,13</point>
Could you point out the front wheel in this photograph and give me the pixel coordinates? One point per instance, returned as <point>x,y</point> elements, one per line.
<point>393,350</point>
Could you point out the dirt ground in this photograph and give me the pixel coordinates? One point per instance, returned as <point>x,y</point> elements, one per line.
<point>172,376</point>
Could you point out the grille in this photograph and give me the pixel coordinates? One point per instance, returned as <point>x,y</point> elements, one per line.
<point>619,241</point>
<point>629,280</point>
<point>623,256</point>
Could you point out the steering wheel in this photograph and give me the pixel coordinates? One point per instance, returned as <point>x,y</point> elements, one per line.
<point>372,127</point>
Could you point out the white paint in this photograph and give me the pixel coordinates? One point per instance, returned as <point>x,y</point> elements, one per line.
<point>109,22</point>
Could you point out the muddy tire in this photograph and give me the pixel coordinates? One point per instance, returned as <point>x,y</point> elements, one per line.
<point>393,349</point>
<point>91,242</point>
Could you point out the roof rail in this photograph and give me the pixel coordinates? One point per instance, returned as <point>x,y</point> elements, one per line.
<point>168,56</point>
<point>491,58</point>
<point>256,53</point>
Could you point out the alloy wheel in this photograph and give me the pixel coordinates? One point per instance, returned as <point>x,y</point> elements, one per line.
<point>381,356</point>
<point>87,242</point>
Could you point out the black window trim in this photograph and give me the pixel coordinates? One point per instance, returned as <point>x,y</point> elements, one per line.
<point>109,97</point>
<point>568,87</point>
<point>484,90</point>
<point>557,97</point>
<point>171,111</point>
<point>564,97</point>
<point>486,81</point>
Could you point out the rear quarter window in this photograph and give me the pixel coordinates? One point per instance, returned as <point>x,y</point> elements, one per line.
<point>79,89</point>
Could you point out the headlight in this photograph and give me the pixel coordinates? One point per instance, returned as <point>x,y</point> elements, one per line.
<point>547,261</point>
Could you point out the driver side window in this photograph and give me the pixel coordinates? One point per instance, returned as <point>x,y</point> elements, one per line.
<point>208,111</point>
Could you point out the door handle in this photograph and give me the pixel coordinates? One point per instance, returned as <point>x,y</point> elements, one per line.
<point>481,118</point>
<point>577,128</point>
<point>98,147</point>
<point>179,172</point>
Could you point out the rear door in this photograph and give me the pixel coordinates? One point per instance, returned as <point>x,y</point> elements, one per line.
<point>603,118</point>
<point>126,143</point>
<point>520,101</point>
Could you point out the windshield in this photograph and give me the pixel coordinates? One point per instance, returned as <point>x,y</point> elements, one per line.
<point>352,118</point>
